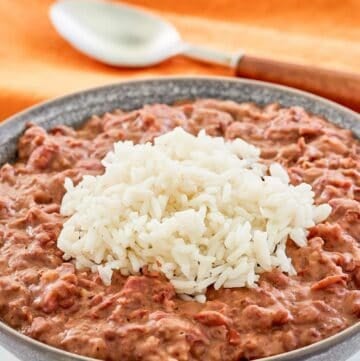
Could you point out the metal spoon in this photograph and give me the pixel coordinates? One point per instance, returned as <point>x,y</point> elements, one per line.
<point>121,35</point>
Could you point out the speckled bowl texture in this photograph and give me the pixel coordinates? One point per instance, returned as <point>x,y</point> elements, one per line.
<point>74,109</point>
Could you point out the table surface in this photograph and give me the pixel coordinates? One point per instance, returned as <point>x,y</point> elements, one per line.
<point>278,29</point>
<point>7,356</point>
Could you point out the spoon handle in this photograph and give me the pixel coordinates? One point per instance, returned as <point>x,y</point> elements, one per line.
<point>212,56</point>
<point>336,85</point>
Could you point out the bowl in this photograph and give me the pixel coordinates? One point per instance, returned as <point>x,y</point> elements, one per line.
<point>74,109</point>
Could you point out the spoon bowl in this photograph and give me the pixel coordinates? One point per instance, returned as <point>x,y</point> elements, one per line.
<point>115,34</point>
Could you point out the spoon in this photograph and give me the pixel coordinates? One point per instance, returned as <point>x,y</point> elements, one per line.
<point>120,35</point>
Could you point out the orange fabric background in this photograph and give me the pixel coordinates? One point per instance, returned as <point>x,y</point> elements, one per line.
<point>36,64</point>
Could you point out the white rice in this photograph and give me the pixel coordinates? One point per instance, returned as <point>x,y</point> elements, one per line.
<point>201,210</point>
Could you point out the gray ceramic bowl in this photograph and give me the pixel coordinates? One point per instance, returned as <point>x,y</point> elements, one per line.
<point>74,109</point>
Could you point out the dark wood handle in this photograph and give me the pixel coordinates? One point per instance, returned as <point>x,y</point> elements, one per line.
<point>341,87</point>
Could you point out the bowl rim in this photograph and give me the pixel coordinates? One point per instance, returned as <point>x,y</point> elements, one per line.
<point>169,78</point>
<point>286,356</point>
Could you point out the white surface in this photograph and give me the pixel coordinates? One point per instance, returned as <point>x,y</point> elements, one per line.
<point>6,356</point>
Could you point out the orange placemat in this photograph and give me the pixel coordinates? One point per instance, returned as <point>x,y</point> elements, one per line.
<point>36,64</point>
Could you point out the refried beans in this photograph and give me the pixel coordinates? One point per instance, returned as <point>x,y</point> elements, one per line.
<point>140,317</point>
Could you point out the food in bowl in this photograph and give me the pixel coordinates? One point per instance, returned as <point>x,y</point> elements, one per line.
<point>143,316</point>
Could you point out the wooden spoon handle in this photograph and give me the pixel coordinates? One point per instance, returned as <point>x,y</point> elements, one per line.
<point>339,86</point>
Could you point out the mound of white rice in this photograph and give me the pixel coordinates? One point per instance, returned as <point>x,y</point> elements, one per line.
<point>201,210</point>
